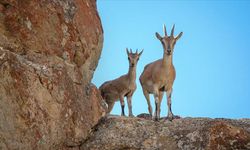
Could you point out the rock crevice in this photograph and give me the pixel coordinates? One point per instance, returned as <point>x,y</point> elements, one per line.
<point>49,50</point>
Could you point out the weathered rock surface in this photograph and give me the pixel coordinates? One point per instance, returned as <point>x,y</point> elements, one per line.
<point>49,50</point>
<point>120,133</point>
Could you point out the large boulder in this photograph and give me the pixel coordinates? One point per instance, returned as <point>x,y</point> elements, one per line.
<point>122,133</point>
<point>49,50</point>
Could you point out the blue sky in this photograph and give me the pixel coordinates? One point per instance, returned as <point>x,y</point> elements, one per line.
<point>212,58</point>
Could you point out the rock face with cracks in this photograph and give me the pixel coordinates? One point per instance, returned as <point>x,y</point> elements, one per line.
<point>120,133</point>
<point>49,50</point>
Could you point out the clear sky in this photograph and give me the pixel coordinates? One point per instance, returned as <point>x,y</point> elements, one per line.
<point>212,58</point>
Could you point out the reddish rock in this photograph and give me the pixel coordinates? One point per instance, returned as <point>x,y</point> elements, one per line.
<point>49,50</point>
<point>226,136</point>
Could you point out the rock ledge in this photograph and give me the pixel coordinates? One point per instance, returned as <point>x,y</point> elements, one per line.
<point>117,133</point>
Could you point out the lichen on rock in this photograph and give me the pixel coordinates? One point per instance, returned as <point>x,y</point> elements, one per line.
<point>49,50</point>
<point>118,133</point>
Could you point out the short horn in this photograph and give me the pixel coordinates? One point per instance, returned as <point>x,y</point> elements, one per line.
<point>130,50</point>
<point>136,51</point>
<point>172,31</point>
<point>141,52</point>
<point>164,29</point>
<point>127,51</point>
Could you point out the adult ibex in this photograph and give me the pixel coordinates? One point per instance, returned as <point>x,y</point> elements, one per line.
<point>123,86</point>
<point>159,75</point>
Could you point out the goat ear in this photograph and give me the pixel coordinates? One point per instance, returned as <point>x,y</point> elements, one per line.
<point>179,36</point>
<point>127,51</point>
<point>141,52</point>
<point>158,36</point>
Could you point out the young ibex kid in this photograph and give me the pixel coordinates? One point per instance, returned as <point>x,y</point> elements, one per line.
<point>123,86</point>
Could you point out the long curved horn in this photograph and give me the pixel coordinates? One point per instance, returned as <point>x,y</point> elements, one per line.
<point>164,29</point>
<point>172,31</point>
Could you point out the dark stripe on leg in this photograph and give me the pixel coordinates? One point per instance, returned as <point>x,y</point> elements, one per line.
<point>123,110</point>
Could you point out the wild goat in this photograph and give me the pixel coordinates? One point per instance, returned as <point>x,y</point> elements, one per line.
<point>159,75</point>
<point>123,86</point>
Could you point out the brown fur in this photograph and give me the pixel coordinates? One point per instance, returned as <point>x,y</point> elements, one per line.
<point>159,76</point>
<point>123,86</point>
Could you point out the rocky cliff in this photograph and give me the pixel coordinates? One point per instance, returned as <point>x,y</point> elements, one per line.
<point>122,133</point>
<point>49,50</point>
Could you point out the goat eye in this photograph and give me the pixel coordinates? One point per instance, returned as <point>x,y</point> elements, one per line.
<point>128,58</point>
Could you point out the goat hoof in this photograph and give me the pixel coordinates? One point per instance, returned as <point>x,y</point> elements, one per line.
<point>170,118</point>
<point>131,115</point>
<point>155,118</point>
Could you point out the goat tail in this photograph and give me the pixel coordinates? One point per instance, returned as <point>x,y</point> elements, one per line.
<point>102,92</point>
<point>140,79</point>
